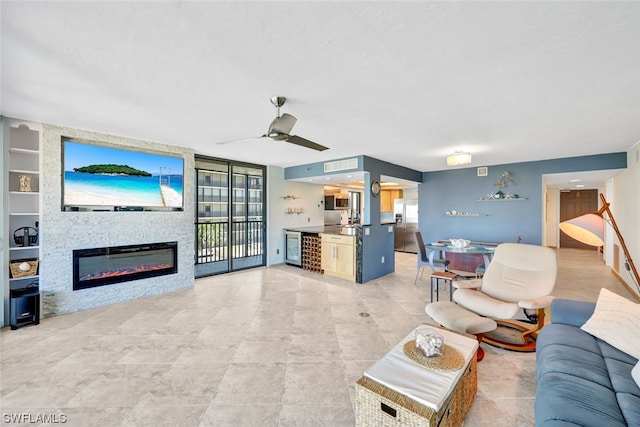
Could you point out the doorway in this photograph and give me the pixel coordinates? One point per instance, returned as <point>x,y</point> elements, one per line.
<point>574,203</point>
<point>229,223</point>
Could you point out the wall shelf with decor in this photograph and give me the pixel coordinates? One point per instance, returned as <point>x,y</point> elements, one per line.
<point>500,196</point>
<point>289,197</point>
<point>465,214</point>
<point>512,199</point>
<point>22,240</point>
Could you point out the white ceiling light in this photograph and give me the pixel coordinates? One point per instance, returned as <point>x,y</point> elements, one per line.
<point>459,158</point>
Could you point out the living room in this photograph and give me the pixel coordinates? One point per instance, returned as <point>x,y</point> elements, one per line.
<point>541,91</point>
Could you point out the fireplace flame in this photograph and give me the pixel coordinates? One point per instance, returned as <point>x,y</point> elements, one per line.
<point>124,271</point>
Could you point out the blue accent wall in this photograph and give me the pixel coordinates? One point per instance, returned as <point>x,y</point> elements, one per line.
<point>505,221</point>
<point>379,243</point>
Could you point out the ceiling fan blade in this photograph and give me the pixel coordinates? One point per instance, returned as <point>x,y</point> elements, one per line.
<point>241,140</point>
<point>295,139</point>
<point>282,125</point>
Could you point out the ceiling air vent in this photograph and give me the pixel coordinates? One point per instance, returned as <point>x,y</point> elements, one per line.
<point>341,165</point>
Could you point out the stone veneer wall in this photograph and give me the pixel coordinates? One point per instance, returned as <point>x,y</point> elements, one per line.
<point>61,232</point>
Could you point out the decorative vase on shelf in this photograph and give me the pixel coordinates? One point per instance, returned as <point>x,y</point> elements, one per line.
<point>25,183</point>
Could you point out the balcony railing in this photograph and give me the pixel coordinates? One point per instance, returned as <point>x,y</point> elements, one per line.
<point>213,240</point>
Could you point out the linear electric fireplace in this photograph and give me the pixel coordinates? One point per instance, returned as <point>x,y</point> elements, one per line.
<point>105,266</point>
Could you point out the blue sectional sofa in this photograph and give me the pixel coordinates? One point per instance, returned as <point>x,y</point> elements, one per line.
<point>582,380</point>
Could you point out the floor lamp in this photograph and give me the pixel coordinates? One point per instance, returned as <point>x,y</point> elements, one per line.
<point>589,229</point>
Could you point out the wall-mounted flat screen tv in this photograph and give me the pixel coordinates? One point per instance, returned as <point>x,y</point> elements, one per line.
<point>99,177</point>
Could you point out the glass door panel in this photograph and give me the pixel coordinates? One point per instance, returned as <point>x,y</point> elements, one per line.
<point>229,222</point>
<point>248,221</point>
<point>212,218</point>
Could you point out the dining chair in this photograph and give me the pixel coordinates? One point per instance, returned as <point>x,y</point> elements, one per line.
<point>423,259</point>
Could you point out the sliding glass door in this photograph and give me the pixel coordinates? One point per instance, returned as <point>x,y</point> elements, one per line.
<point>230,220</point>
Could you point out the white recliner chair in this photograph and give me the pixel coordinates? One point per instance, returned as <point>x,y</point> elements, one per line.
<point>515,290</point>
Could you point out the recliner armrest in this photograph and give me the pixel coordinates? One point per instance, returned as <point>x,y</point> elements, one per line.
<point>536,303</point>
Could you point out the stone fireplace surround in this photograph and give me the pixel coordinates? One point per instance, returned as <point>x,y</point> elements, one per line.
<point>116,264</point>
<point>62,232</point>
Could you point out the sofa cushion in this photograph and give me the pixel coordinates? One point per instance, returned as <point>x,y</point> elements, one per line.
<point>630,407</point>
<point>616,320</point>
<point>566,397</point>
<point>620,376</point>
<point>567,335</point>
<point>583,380</point>
<point>574,362</point>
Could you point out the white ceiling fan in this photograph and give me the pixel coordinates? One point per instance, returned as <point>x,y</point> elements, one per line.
<point>280,128</point>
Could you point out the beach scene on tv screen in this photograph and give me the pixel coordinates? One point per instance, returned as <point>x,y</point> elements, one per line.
<point>96,175</point>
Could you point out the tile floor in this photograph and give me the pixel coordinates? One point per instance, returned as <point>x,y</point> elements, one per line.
<point>266,347</point>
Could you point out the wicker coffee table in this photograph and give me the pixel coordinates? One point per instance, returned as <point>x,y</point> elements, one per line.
<point>396,391</point>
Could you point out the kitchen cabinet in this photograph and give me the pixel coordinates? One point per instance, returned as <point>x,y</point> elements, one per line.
<point>386,199</point>
<point>338,256</point>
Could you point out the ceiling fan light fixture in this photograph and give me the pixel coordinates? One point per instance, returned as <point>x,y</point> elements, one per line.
<point>458,158</point>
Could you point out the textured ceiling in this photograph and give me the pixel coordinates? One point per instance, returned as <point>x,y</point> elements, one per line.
<point>405,82</point>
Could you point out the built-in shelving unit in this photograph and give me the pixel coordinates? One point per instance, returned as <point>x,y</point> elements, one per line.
<point>22,236</point>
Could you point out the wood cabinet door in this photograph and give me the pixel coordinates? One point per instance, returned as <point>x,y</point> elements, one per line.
<point>386,204</point>
<point>345,260</point>
<point>328,261</point>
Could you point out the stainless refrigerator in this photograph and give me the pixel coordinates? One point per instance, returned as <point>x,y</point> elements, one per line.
<point>406,215</point>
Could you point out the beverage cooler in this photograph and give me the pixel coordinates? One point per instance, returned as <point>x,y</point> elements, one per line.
<point>293,248</point>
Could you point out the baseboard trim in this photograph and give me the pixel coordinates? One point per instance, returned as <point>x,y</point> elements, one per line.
<point>621,280</point>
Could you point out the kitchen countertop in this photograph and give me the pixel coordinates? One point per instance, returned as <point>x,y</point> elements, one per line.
<point>348,230</point>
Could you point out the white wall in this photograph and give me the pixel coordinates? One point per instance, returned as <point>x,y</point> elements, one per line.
<point>625,206</point>
<point>62,232</point>
<point>309,198</point>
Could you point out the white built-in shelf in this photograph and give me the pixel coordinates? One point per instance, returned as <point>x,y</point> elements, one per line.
<point>24,151</point>
<point>23,156</point>
<point>17,279</point>
<point>23,248</point>
<point>23,171</point>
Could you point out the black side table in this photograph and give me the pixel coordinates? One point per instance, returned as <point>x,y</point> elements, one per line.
<point>24,307</point>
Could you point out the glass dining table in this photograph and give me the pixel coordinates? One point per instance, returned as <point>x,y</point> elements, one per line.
<point>486,251</point>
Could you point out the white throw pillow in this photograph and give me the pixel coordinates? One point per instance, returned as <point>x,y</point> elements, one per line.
<point>635,373</point>
<point>616,320</point>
